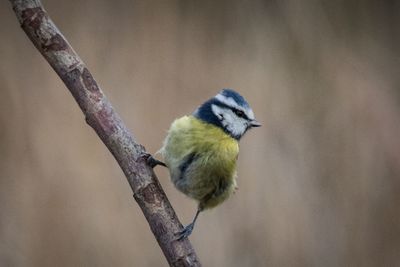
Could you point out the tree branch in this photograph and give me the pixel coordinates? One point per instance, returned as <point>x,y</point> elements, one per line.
<point>101,116</point>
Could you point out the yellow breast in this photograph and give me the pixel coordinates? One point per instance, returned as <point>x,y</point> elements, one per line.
<point>215,165</point>
<point>188,135</point>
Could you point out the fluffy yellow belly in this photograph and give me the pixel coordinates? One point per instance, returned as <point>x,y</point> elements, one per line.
<point>202,160</point>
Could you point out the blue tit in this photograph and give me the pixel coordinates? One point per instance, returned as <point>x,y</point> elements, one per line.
<point>201,150</point>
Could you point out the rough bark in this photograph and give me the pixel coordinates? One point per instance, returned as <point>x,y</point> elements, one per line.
<point>101,116</point>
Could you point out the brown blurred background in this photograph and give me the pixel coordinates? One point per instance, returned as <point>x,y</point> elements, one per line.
<point>319,182</point>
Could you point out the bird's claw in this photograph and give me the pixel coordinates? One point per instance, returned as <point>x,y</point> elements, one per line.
<point>187,230</point>
<point>151,161</point>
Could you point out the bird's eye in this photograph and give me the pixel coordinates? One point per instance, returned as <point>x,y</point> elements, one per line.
<point>239,113</point>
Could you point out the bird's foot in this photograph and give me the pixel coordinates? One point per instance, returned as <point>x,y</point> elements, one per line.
<point>151,161</point>
<point>187,230</point>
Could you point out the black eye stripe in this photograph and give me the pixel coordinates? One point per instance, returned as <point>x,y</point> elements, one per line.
<point>238,112</point>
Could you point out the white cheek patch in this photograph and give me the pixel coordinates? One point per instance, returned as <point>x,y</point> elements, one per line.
<point>235,125</point>
<point>223,115</point>
<point>217,111</point>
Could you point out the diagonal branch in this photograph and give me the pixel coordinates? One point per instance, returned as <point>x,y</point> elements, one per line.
<point>101,116</point>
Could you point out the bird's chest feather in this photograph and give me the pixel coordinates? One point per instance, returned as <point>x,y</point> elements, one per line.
<point>215,152</point>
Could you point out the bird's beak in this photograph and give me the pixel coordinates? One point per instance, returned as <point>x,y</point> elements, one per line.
<point>255,123</point>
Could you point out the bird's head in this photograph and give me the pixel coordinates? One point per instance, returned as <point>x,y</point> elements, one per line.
<point>229,111</point>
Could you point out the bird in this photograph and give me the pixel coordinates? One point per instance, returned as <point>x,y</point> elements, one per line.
<point>201,150</point>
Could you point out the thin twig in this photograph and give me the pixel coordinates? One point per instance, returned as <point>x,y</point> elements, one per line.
<point>101,116</point>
